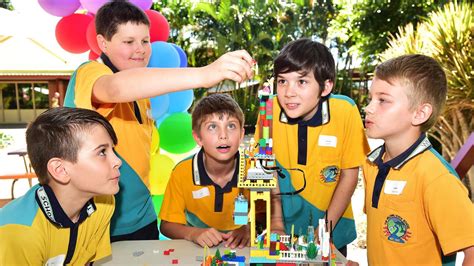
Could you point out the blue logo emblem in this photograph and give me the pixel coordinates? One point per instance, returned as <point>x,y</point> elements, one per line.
<point>396,229</point>
<point>329,174</point>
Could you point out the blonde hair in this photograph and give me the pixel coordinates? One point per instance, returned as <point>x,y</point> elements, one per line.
<point>424,79</point>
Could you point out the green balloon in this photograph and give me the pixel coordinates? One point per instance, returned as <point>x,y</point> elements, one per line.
<point>176,133</point>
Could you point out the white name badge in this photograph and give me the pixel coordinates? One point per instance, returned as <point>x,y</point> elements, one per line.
<point>393,187</point>
<point>201,193</point>
<point>56,261</point>
<point>327,141</point>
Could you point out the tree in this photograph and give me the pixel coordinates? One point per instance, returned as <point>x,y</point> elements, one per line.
<point>446,36</point>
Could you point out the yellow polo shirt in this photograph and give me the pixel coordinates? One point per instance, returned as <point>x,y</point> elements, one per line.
<point>420,211</point>
<point>34,230</point>
<point>192,198</point>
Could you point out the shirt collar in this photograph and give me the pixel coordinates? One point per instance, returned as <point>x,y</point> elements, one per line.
<point>321,117</point>
<point>53,211</point>
<point>420,145</point>
<point>106,61</point>
<point>201,178</point>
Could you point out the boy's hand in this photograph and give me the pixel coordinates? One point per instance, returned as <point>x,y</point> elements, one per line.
<point>238,238</point>
<point>206,237</point>
<point>236,66</point>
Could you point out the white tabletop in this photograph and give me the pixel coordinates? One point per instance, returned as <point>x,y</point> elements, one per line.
<point>151,252</point>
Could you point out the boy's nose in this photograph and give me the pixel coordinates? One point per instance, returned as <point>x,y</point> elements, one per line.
<point>117,162</point>
<point>368,108</point>
<point>290,91</point>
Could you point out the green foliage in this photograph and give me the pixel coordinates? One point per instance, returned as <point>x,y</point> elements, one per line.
<point>364,27</point>
<point>5,140</point>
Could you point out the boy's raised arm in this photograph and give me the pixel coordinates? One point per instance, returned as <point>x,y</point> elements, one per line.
<point>139,83</point>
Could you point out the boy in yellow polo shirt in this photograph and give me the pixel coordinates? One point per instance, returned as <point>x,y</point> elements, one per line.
<point>118,85</point>
<point>418,211</point>
<point>64,220</point>
<point>318,133</point>
<point>199,200</point>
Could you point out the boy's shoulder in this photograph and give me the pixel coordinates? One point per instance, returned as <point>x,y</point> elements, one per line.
<point>20,211</point>
<point>342,99</point>
<point>433,165</point>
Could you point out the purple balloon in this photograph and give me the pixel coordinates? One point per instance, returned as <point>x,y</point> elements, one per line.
<point>93,5</point>
<point>143,4</point>
<point>183,59</point>
<point>60,8</point>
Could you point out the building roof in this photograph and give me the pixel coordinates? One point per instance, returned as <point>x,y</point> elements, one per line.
<point>33,50</point>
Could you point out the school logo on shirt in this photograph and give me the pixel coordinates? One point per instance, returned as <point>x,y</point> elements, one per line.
<point>329,174</point>
<point>396,229</point>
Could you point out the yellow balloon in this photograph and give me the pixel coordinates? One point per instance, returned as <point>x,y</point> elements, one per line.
<point>155,141</point>
<point>160,171</point>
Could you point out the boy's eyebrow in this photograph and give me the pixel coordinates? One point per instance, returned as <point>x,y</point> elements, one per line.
<point>101,146</point>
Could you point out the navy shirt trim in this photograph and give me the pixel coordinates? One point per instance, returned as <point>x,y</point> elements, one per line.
<point>201,178</point>
<point>420,145</point>
<point>321,117</point>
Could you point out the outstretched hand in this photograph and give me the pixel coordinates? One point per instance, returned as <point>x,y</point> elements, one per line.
<point>238,238</point>
<point>236,66</point>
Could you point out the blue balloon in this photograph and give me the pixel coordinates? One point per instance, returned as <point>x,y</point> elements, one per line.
<point>163,55</point>
<point>183,59</point>
<point>159,106</point>
<point>180,101</point>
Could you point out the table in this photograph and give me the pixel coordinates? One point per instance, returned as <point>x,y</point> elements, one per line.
<point>27,174</point>
<point>151,252</point>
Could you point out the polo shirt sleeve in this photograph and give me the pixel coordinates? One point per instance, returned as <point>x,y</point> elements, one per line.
<point>451,215</point>
<point>355,146</point>
<point>173,207</point>
<point>86,76</point>
<point>105,205</point>
<point>20,245</point>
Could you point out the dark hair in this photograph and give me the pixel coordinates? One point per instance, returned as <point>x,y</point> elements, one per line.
<point>55,133</point>
<point>424,78</point>
<point>305,55</point>
<point>115,13</point>
<point>220,104</point>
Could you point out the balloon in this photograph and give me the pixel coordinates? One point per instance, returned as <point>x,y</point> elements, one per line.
<point>60,8</point>
<point>161,119</point>
<point>93,5</point>
<point>159,27</point>
<point>143,4</point>
<point>91,37</point>
<point>71,33</point>
<point>183,59</point>
<point>160,171</point>
<point>176,133</point>
<point>155,142</point>
<point>92,55</point>
<point>159,106</point>
<point>180,101</point>
<point>163,55</point>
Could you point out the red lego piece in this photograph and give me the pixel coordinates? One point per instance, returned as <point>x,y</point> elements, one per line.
<point>171,249</point>
<point>175,261</point>
<point>166,252</point>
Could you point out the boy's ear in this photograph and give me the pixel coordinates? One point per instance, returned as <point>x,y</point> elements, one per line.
<point>197,138</point>
<point>101,42</point>
<point>57,170</point>
<point>327,88</point>
<point>422,114</point>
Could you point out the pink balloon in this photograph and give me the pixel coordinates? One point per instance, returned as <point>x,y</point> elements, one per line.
<point>91,37</point>
<point>93,5</point>
<point>159,27</point>
<point>60,8</point>
<point>143,4</point>
<point>71,33</point>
